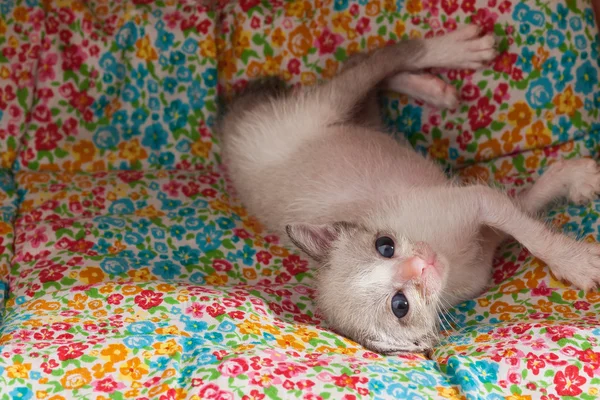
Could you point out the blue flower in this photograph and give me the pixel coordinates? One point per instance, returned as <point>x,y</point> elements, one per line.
<point>120,117</point>
<point>225,223</point>
<point>106,137</point>
<point>155,137</point>
<point>127,35</point>
<point>177,58</point>
<point>169,84</point>
<point>247,255</point>
<point>178,231</point>
<point>568,59</point>
<point>164,40</point>
<point>190,46</point>
<point>210,77</point>
<point>170,204</point>
<point>21,393</point>
<point>184,74</point>
<point>535,18</point>
<point>340,5</point>
<point>597,99</point>
<point>421,378</point>
<point>158,233</point>
<point>130,93</point>
<point>198,278</point>
<point>465,380</point>
<point>485,371</point>
<point>146,255</point>
<point>196,95</point>
<point>191,343</point>
<point>152,86</point>
<point>166,158</point>
<point>587,78</point>
<point>114,265</point>
<point>194,223</point>
<point>376,386</point>
<point>133,238</point>
<point>160,364</point>
<point>186,255</point>
<point>562,129</point>
<point>121,206</point>
<point>166,269</point>
<point>554,38</point>
<point>227,326</point>
<point>141,328</point>
<point>213,336</point>
<point>154,105</point>
<point>561,78</point>
<point>539,93</point>
<point>525,60</point>
<point>588,14</point>
<point>139,75</point>
<point>209,239</point>
<point>195,326</point>
<point>139,116</point>
<point>524,29</point>
<point>176,114</point>
<point>409,122</point>
<point>551,65</point>
<point>397,391</point>
<point>560,16</point>
<point>575,23</point>
<point>99,105</point>
<point>580,42</point>
<point>141,225</point>
<point>520,12</point>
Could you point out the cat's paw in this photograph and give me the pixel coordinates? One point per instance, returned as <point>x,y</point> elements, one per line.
<point>585,180</point>
<point>579,264</point>
<point>465,48</point>
<point>425,87</point>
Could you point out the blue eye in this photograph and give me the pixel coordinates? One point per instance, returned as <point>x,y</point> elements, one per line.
<point>385,246</point>
<point>399,305</point>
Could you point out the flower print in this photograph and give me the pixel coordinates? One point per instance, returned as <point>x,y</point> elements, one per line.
<point>76,378</point>
<point>561,79</point>
<point>485,371</point>
<point>107,385</point>
<point>480,115</point>
<point>550,65</point>
<point>164,40</point>
<point>196,95</point>
<point>449,6</point>
<point>587,78</point>
<point>554,38</point>
<point>47,137</point>
<point>525,60</point>
<point>71,351</point>
<point>540,93</point>
<point>562,129</point>
<point>45,69</point>
<point>177,58</point>
<point>520,114</point>
<point>176,115</point>
<point>21,393</point>
<point>209,238</point>
<point>567,103</point>
<point>409,122</point>
<point>73,57</point>
<point>569,382</point>
<point>148,299</point>
<point>559,17</point>
<point>145,51</point>
<point>246,255</point>
<point>209,77</point>
<point>538,135</point>
<point>155,136</point>
<point>327,42</point>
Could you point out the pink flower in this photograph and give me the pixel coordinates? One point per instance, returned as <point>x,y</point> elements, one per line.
<point>46,67</point>
<point>107,385</point>
<point>38,237</point>
<point>233,367</point>
<point>327,42</point>
<point>569,382</point>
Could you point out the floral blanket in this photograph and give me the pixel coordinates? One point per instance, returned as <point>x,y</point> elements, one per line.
<point>129,272</point>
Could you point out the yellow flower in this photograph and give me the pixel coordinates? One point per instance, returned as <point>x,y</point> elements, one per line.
<point>149,212</point>
<point>18,371</point>
<point>145,49</point>
<point>414,6</point>
<point>439,148</point>
<point>278,37</point>
<point>538,135</point>
<point>201,149</point>
<point>520,114</point>
<point>169,347</point>
<point>208,48</point>
<point>115,353</point>
<point>76,378</point>
<point>132,150</point>
<point>78,302</point>
<point>567,102</point>
<point>91,275</point>
<point>249,328</point>
<point>84,151</point>
<point>286,341</point>
<point>488,150</point>
<point>133,369</point>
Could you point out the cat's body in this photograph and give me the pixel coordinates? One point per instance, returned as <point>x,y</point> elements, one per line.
<point>311,165</point>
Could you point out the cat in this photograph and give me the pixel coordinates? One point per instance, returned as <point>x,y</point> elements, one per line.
<point>393,238</point>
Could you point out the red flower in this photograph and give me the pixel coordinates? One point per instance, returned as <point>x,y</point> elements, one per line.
<point>517,74</point>
<point>469,92</point>
<point>327,42</point>
<point>73,57</point>
<point>71,351</point>
<point>535,363</point>
<point>346,381</point>
<point>49,366</point>
<point>500,94</point>
<point>115,299</point>
<point>6,96</point>
<point>559,332</point>
<point>449,6</point>
<point>248,4</point>
<point>222,265</point>
<point>581,305</point>
<point>295,265</point>
<point>480,115</point>
<point>81,101</point>
<point>463,140</point>
<point>254,395</point>
<point>264,257</point>
<point>504,7</point>
<point>468,6</point>
<point>215,310</point>
<point>130,176</point>
<point>363,25</point>
<point>485,19</point>
<point>289,370</point>
<point>52,274</point>
<point>504,63</point>
<point>148,299</point>
<point>568,383</point>
<point>47,137</point>
<point>41,113</point>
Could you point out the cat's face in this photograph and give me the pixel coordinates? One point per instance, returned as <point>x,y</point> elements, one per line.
<point>374,286</point>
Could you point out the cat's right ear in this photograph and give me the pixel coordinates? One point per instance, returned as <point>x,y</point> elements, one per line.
<point>316,240</point>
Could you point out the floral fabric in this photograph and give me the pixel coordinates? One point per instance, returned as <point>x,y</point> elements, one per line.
<point>130,272</point>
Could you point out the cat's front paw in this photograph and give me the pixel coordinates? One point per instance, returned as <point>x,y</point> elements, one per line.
<point>465,48</point>
<point>577,263</point>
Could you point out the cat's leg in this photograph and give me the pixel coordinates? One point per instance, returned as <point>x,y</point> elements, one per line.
<point>424,87</point>
<point>335,101</point>
<point>576,262</point>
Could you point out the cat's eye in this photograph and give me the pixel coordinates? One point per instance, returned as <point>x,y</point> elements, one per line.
<point>385,246</point>
<point>399,305</point>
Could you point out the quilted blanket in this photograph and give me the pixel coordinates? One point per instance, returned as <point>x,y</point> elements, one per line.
<point>127,269</point>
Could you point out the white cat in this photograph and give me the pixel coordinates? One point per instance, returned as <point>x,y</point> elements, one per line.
<point>394,239</point>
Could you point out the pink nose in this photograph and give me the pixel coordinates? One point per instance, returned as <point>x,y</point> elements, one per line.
<point>412,268</point>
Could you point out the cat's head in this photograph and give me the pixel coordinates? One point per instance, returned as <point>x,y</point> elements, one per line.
<point>375,286</point>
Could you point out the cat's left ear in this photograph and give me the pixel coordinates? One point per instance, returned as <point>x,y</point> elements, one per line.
<point>317,240</point>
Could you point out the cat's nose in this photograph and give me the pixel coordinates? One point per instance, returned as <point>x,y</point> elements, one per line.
<point>412,268</point>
